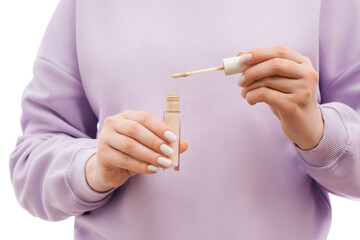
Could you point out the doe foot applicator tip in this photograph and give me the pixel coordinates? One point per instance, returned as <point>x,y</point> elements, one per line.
<point>178,75</point>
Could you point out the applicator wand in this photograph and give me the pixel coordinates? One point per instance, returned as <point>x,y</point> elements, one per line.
<point>230,66</point>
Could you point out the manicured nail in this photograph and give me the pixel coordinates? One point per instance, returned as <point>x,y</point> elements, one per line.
<point>166,150</point>
<point>245,58</point>
<point>164,161</point>
<point>243,93</point>
<point>170,136</point>
<point>241,80</point>
<point>152,168</point>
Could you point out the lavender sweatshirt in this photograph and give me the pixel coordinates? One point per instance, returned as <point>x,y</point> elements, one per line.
<point>241,177</point>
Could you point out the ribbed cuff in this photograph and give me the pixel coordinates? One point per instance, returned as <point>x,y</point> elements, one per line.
<point>76,178</point>
<point>333,144</point>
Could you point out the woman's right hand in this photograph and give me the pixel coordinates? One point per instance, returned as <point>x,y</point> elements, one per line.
<point>129,143</point>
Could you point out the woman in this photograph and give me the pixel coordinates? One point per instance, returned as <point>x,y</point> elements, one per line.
<point>92,133</point>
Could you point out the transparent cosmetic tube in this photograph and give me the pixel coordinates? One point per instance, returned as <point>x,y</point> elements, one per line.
<point>172,118</point>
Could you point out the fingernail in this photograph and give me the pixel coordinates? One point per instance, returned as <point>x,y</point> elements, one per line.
<point>241,80</point>
<point>170,136</point>
<point>245,58</point>
<point>166,150</point>
<point>164,161</point>
<point>243,93</point>
<point>152,168</point>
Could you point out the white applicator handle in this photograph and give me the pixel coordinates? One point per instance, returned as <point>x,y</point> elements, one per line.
<point>235,65</point>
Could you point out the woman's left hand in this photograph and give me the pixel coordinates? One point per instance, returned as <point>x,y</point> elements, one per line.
<point>287,82</point>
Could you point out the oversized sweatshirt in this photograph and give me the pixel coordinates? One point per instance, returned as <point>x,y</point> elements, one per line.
<point>241,177</point>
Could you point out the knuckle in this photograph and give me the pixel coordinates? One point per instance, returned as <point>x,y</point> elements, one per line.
<point>128,112</point>
<point>144,117</point>
<point>281,50</point>
<point>125,114</point>
<point>301,98</point>
<point>132,128</point>
<point>263,93</point>
<point>314,75</point>
<point>125,162</point>
<point>128,145</point>
<point>109,120</point>
<point>307,94</point>
<point>277,64</point>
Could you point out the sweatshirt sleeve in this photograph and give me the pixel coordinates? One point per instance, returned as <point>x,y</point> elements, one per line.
<point>335,162</point>
<point>59,129</point>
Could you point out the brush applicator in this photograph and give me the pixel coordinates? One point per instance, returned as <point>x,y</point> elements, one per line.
<point>230,66</point>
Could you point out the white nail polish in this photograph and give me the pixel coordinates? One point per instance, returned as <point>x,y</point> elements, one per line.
<point>242,94</point>
<point>152,168</point>
<point>241,80</point>
<point>170,136</point>
<point>245,58</point>
<point>164,161</point>
<point>166,150</point>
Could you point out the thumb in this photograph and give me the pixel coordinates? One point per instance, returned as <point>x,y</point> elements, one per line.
<point>183,146</point>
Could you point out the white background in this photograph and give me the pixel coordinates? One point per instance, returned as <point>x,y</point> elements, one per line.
<point>22,24</point>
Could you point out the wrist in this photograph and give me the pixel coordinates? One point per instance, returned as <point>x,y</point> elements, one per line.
<point>93,177</point>
<point>315,133</point>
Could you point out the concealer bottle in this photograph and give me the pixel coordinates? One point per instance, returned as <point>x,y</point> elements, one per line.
<point>172,118</point>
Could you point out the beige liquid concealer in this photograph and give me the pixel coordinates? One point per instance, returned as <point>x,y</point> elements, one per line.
<point>172,118</point>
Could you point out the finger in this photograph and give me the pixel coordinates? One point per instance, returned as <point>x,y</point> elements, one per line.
<point>115,159</point>
<point>133,165</point>
<point>269,96</point>
<point>140,133</point>
<point>152,123</point>
<point>143,135</point>
<point>138,151</point>
<point>266,53</point>
<point>280,84</point>
<point>272,67</point>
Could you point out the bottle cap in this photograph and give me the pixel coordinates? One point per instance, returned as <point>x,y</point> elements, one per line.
<point>234,65</point>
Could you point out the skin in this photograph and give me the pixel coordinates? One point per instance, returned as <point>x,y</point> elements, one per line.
<point>127,144</point>
<point>277,75</point>
<point>286,81</point>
